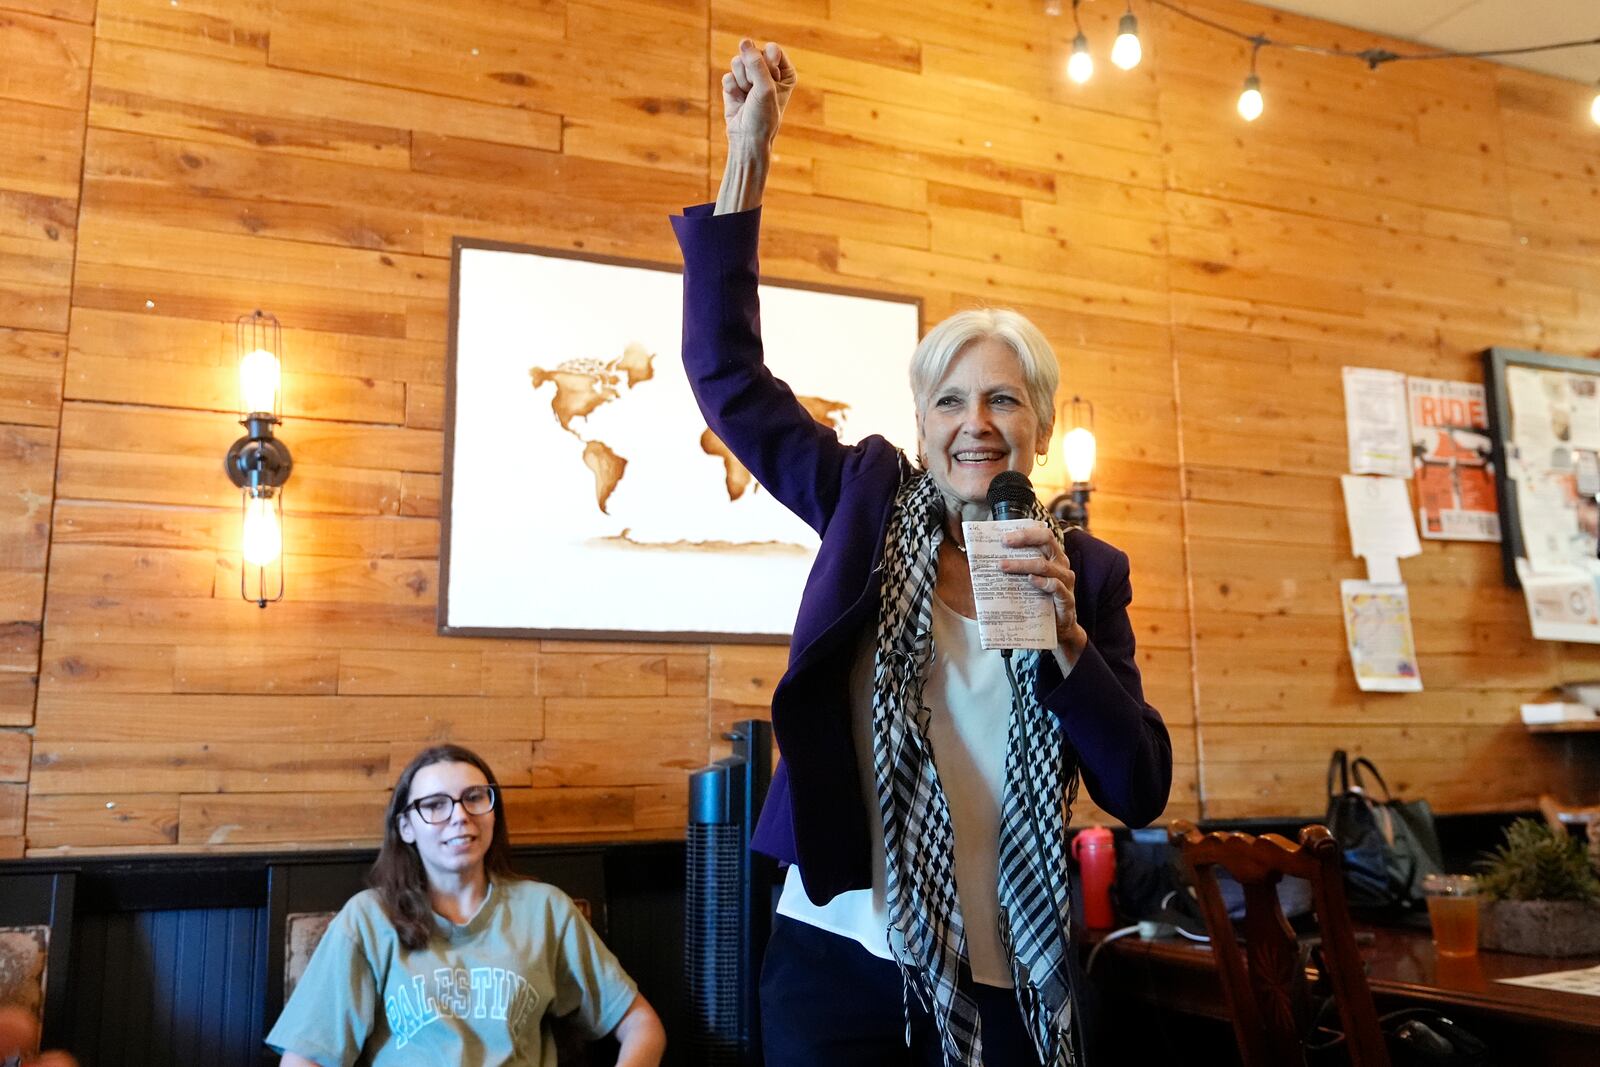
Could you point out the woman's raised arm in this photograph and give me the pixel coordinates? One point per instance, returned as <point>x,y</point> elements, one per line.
<point>754,93</point>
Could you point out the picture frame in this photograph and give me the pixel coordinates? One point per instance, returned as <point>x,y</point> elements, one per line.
<point>583,496</point>
<point>1505,372</point>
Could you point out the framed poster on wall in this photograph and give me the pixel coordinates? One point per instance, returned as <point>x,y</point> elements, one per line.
<point>584,495</point>
<point>1545,430</point>
<point>1545,427</point>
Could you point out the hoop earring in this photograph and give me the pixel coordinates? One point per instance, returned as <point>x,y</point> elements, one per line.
<point>1041,459</point>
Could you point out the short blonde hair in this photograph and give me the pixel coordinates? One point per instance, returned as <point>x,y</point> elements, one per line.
<point>945,341</point>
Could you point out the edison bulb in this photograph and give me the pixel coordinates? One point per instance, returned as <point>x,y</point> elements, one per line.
<point>1078,449</point>
<point>1126,52</point>
<point>258,381</point>
<point>1080,67</point>
<point>1251,103</point>
<point>262,542</point>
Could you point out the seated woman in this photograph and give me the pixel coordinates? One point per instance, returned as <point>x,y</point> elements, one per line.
<point>451,957</point>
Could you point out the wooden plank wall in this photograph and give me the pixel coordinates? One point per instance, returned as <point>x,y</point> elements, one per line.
<point>44,89</point>
<point>1405,220</point>
<point>170,166</point>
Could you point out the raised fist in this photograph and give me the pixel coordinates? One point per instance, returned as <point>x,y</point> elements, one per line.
<point>754,93</point>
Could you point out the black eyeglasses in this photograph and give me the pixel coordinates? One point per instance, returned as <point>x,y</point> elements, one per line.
<point>436,808</point>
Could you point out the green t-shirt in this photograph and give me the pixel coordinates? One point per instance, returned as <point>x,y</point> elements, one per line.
<point>478,995</point>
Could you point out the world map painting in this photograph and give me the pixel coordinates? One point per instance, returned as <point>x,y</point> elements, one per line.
<point>584,494</point>
<point>583,385</point>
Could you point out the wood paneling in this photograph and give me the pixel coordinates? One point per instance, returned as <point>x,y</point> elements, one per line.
<point>121,819</point>
<point>169,167</point>
<point>1326,235</point>
<point>44,82</point>
<point>99,766</point>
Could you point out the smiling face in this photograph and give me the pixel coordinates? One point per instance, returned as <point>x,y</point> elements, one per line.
<point>454,848</point>
<point>976,422</point>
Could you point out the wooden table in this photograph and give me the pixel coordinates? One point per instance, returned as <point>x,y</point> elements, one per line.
<point>1523,1025</point>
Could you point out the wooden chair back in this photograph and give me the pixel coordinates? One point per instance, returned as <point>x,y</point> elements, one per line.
<point>1561,816</point>
<point>1265,984</point>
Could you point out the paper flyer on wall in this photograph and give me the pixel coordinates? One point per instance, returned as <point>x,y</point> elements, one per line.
<point>1451,450</point>
<point>1378,512</point>
<point>1555,534</point>
<point>1377,627</point>
<point>1563,605</point>
<point>1375,422</point>
<point>1553,465</point>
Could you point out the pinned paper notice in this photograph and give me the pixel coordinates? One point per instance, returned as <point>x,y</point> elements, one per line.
<point>1375,422</point>
<point>1453,457</point>
<point>1563,605</point>
<point>1378,511</point>
<point>1377,626</point>
<point>1583,401</point>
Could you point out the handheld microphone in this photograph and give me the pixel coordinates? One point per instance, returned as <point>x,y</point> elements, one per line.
<point>1012,611</point>
<point>1011,496</point>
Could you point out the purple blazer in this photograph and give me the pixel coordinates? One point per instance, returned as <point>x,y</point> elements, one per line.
<point>814,814</point>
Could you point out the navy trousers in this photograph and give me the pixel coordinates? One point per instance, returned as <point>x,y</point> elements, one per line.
<point>828,1002</point>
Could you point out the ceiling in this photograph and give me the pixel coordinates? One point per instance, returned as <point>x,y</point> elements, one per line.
<point>1472,25</point>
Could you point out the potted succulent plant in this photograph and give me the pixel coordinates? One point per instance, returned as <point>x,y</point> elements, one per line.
<point>1541,898</point>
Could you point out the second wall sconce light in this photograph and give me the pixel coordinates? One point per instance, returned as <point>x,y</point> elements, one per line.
<point>1078,451</point>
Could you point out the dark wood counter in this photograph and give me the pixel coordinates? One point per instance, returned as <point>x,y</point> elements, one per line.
<point>1524,1025</point>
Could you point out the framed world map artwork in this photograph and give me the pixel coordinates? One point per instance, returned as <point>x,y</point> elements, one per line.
<point>584,495</point>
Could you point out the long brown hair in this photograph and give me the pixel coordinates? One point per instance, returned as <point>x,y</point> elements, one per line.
<point>398,876</point>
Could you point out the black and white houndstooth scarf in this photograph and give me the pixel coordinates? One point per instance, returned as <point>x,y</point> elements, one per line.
<point>925,925</point>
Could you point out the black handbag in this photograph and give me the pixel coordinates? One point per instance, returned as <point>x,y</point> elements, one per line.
<point>1414,1037</point>
<point>1389,845</point>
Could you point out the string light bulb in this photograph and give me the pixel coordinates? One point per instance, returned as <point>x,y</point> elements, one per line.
<point>1594,107</point>
<point>1126,51</point>
<point>1250,102</point>
<point>1080,67</point>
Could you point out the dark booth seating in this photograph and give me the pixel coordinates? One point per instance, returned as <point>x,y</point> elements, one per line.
<point>182,960</point>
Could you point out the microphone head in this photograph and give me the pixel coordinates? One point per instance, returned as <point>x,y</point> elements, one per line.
<point>1011,495</point>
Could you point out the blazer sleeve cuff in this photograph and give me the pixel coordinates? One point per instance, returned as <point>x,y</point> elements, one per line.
<point>698,224</point>
<point>716,246</point>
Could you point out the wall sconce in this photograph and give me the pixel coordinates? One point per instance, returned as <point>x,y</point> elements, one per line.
<point>1078,450</point>
<point>258,463</point>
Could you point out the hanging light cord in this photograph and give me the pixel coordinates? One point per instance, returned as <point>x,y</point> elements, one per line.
<point>1372,57</point>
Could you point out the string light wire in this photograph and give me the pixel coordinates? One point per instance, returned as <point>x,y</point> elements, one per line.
<point>1372,57</point>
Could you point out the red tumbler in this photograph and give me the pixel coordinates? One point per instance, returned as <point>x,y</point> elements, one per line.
<point>1097,860</point>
